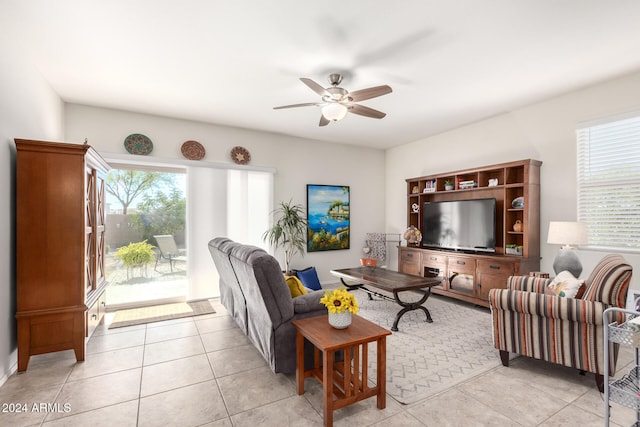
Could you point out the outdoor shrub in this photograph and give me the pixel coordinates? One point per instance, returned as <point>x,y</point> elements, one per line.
<point>136,254</point>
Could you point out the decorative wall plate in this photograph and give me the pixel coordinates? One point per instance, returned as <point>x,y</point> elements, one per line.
<point>240,155</point>
<point>136,143</point>
<point>193,150</point>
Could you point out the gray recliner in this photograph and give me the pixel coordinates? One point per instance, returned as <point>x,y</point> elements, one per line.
<point>231,295</point>
<point>254,292</point>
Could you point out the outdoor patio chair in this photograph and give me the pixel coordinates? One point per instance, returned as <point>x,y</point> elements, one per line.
<point>168,250</point>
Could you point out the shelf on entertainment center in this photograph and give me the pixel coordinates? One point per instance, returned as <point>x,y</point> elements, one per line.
<point>503,182</point>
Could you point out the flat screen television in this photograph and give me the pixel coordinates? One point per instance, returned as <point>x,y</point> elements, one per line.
<point>461,225</point>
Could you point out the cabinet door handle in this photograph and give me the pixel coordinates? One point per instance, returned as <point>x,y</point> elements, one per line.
<point>495,267</point>
<point>460,262</point>
<point>433,258</point>
<point>94,316</point>
<point>410,255</point>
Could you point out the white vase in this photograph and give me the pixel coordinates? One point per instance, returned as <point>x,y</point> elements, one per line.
<point>340,320</point>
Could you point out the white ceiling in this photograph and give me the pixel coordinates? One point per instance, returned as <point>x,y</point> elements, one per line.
<point>449,62</point>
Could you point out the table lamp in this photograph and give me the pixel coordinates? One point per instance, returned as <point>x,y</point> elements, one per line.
<point>567,233</point>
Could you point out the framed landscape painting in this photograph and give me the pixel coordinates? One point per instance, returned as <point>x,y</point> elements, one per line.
<point>328,217</point>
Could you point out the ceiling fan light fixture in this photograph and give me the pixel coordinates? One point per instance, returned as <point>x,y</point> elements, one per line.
<point>337,102</point>
<point>334,111</point>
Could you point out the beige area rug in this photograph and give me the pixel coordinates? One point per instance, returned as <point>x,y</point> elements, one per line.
<point>156,313</point>
<point>426,358</point>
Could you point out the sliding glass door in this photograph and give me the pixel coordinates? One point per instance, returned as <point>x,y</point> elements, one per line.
<point>160,219</point>
<point>146,236</point>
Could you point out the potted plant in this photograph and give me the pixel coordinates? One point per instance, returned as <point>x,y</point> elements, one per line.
<point>448,184</point>
<point>340,305</point>
<point>136,254</point>
<point>288,232</point>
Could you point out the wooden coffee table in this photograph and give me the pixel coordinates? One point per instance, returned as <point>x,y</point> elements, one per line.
<point>390,281</point>
<point>343,382</point>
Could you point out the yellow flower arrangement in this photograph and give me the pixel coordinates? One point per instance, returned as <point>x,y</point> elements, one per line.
<point>340,301</point>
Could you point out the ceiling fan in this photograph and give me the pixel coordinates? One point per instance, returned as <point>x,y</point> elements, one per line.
<point>336,101</point>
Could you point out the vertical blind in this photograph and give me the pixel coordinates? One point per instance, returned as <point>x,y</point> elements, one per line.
<point>223,203</point>
<point>206,219</point>
<point>249,205</point>
<point>609,182</point>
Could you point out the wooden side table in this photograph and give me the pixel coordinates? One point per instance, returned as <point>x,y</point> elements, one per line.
<point>343,382</point>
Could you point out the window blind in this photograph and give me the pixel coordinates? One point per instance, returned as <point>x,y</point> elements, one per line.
<point>249,205</point>
<point>609,182</point>
<point>223,203</point>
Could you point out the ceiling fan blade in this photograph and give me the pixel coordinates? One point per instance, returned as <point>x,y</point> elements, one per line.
<point>315,87</point>
<point>372,92</point>
<point>323,120</point>
<point>366,111</point>
<point>306,104</point>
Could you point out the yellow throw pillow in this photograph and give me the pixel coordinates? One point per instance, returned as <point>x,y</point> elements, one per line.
<point>295,286</point>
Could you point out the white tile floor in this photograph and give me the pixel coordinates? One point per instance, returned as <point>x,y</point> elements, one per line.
<point>203,372</point>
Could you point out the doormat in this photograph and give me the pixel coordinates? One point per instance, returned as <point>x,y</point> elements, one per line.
<point>157,313</point>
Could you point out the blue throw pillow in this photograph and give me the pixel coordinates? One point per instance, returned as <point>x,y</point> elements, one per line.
<point>309,278</point>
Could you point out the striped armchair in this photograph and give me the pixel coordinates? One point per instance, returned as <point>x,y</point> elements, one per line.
<point>565,331</point>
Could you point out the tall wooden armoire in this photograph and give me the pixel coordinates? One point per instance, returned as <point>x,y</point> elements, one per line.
<point>60,243</point>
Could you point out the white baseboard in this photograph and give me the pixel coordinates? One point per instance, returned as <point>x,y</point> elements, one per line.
<point>13,367</point>
<point>147,303</point>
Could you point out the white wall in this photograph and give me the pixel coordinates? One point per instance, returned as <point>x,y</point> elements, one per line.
<point>298,162</point>
<point>544,131</point>
<point>28,109</point>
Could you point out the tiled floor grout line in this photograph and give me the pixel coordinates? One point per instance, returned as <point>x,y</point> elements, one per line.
<point>55,399</point>
<point>215,378</point>
<point>144,343</point>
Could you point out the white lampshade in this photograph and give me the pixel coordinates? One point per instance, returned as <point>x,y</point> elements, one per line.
<point>334,111</point>
<point>567,233</point>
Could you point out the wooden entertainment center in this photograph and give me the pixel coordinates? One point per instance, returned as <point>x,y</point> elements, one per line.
<point>470,276</point>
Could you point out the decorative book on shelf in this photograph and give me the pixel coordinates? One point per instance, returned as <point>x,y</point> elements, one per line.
<point>429,186</point>
<point>467,184</point>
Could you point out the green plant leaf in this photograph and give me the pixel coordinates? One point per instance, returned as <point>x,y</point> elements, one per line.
<point>288,231</point>
<point>136,254</point>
